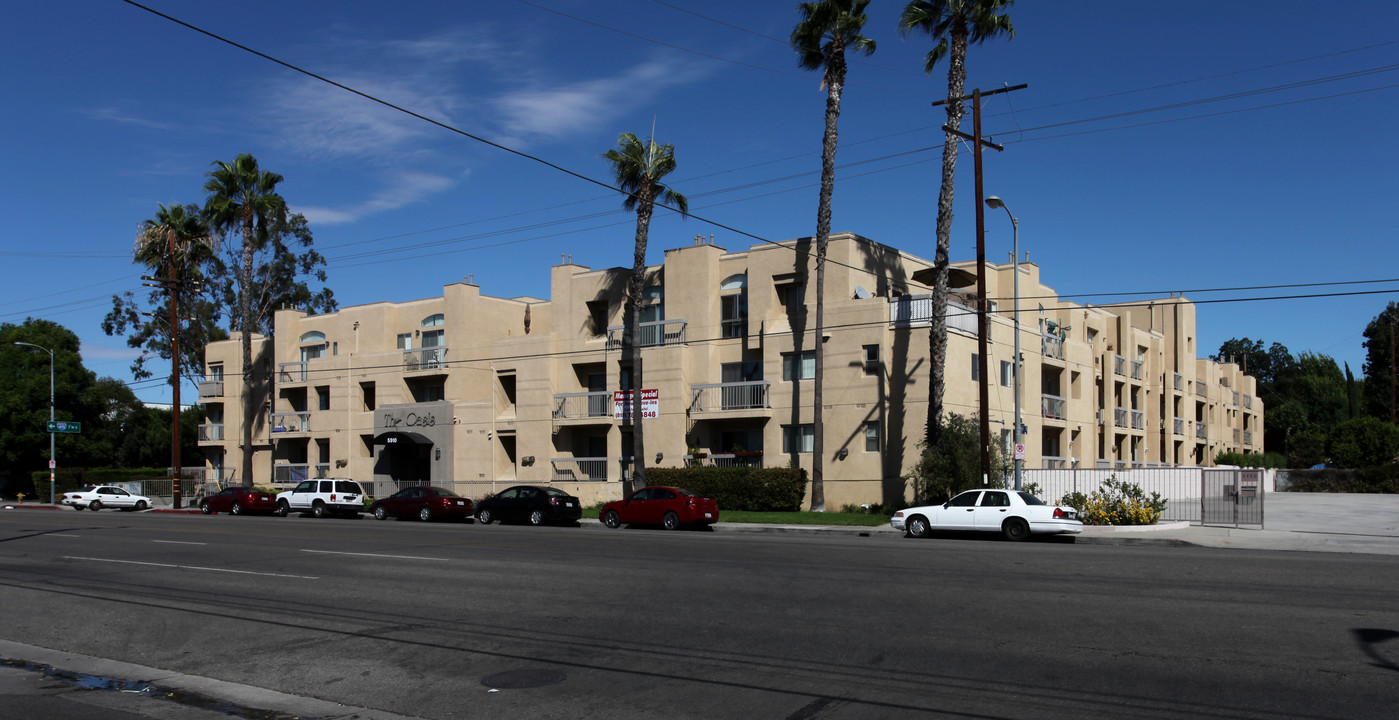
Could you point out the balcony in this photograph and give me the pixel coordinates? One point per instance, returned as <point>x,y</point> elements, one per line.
<point>292,422</point>
<point>210,389</point>
<point>653,334</point>
<point>292,372</point>
<point>750,459</point>
<point>1179,426</point>
<point>1179,381</point>
<point>211,432</point>
<point>1236,397</point>
<point>729,397</point>
<point>425,359</point>
<point>1052,346</point>
<point>1120,417</point>
<point>594,406</point>
<point>1201,430</point>
<point>1248,437</point>
<point>1248,402</point>
<point>1053,407</point>
<point>1138,419</point>
<point>1201,389</point>
<point>911,310</point>
<point>1049,462</point>
<point>293,473</point>
<point>576,469</point>
<point>1119,365</point>
<point>1137,369</point>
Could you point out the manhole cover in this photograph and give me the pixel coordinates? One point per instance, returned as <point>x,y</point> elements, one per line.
<point>522,679</point>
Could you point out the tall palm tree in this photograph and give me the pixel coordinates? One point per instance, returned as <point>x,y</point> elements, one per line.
<point>638,168</point>
<point>243,197</point>
<point>827,29</point>
<point>954,24</point>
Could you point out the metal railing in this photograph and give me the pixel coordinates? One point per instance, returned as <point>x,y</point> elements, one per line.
<point>753,460</point>
<point>1236,397</point>
<point>1248,402</point>
<point>751,395</point>
<point>1137,369</point>
<point>575,469</point>
<point>1248,437</point>
<point>1178,426</point>
<point>211,432</point>
<point>1052,346</point>
<point>291,372</point>
<point>1201,389</point>
<point>425,358</point>
<point>1201,430</point>
<point>1053,406</point>
<point>1119,365</point>
<point>1120,417</point>
<point>1138,419</point>
<point>1050,462</point>
<point>653,334</point>
<point>1238,435</point>
<point>210,388</point>
<point>911,310</point>
<point>1192,494</point>
<point>1179,381</point>
<point>296,472</point>
<point>575,406</point>
<point>291,422</point>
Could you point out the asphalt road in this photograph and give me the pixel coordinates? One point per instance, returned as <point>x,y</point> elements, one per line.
<point>427,620</point>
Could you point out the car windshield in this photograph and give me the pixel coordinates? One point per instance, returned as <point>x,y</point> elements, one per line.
<point>687,493</point>
<point>87,488</point>
<point>439,492</point>
<point>1029,499</point>
<point>347,486</point>
<point>555,492</point>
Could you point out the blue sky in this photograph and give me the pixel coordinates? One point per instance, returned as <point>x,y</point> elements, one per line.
<point>1159,146</point>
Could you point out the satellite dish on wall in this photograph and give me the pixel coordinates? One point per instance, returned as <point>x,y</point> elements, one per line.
<point>861,293</point>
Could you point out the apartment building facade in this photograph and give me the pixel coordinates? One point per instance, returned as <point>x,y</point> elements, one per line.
<point>475,393</point>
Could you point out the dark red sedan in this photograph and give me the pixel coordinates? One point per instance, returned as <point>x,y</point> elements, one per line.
<point>238,501</point>
<point>423,502</point>
<point>669,507</point>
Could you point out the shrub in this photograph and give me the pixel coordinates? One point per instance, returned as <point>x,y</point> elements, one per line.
<point>953,464</point>
<point>1379,479</point>
<point>1363,442</point>
<point>1116,502</point>
<point>739,488</point>
<point>1251,460</point>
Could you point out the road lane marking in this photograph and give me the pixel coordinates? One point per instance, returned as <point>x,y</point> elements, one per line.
<point>63,535</point>
<point>178,542</point>
<point>374,555</point>
<point>189,567</point>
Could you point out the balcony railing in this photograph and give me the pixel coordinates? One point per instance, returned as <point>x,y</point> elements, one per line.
<point>425,358</point>
<point>752,459</point>
<point>653,334</point>
<point>1052,346</point>
<point>1119,365</point>
<point>296,472</point>
<point>1049,462</point>
<point>1137,369</point>
<point>1138,419</point>
<point>1201,389</point>
<point>1053,406</point>
<point>1236,397</point>
<point>575,469</point>
<point>1248,437</point>
<point>1179,426</point>
<point>578,406</point>
<point>911,310</point>
<point>1248,402</point>
<point>1179,381</point>
<point>718,397</point>
<point>292,422</point>
<point>211,432</point>
<point>210,388</point>
<point>292,372</point>
<point>1120,416</point>
<point>1201,430</point>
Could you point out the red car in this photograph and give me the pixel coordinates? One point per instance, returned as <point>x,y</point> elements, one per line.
<point>669,507</point>
<point>237,501</point>
<point>423,502</point>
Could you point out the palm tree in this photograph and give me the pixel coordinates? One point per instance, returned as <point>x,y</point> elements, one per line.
<point>638,168</point>
<point>243,197</point>
<point>826,30</point>
<point>955,24</point>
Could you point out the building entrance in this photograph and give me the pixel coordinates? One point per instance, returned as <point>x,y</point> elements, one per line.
<point>405,459</point>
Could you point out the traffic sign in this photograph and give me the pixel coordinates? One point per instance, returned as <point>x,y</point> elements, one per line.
<point>61,426</point>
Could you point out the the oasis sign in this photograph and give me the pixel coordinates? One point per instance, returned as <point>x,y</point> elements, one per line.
<point>411,419</point>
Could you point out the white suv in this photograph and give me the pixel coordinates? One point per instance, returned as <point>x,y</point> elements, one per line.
<point>322,497</point>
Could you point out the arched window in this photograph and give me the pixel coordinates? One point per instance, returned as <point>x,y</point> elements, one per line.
<point>312,346</point>
<point>315,336</point>
<point>434,320</point>
<point>733,306</point>
<point>734,282</point>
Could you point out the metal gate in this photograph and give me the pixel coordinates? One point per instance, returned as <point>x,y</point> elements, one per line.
<point>1231,497</point>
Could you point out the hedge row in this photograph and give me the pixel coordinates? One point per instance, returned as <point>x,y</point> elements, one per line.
<point>1379,479</point>
<point>739,488</point>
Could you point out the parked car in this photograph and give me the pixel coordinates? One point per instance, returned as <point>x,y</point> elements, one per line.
<point>669,507</point>
<point>538,505</point>
<point>96,497</point>
<point>323,496</point>
<point>1015,514</point>
<point>423,502</point>
<point>238,500</point>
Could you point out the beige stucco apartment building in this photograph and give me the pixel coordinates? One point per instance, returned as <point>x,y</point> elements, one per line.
<point>475,393</point>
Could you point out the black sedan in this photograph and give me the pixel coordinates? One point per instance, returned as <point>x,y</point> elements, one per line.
<point>537,505</point>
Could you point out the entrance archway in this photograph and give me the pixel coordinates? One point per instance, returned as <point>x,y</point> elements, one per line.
<point>406,458</point>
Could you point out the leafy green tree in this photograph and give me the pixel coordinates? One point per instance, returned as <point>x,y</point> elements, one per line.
<point>1364,442</point>
<point>638,168</point>
<point>955,25</point>
<point>1263,365</point>
<point>1378,397</point>
<point>953,464</point>
<point>827,29</point>
<point>1308,448</point>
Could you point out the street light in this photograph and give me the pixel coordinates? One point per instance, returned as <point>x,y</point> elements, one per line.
<point>53,460</point>
<point>996,202</point>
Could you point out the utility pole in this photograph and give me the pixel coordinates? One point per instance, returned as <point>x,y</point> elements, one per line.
<point>981,319</point>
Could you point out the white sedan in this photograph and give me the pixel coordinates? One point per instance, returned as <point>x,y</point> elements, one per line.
<point>1015,514</point>
<point>96,497</point>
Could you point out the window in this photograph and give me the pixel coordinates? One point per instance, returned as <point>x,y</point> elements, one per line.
<point>597,317</point>
<point>793,298</point>
<point>312,337</point>
<point>405,341</point>
<point>323,397</point>
<point>994,498</point>
<point>871,437</point>
<point>1007,373</point>
<point>976,367</point>
<point>437,320</point>
<point>966,499</point>
<point>216,372</point>
<point>871,359</point>
<point>733,310</point>
<point>367,390</point>
<point>799,366</point>
<point>798,438</point>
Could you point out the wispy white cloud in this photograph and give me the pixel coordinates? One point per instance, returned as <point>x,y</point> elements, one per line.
<point>405,189</point>
<point>111,114</point>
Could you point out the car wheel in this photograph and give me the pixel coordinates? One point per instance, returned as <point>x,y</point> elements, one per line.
<point>140,505</point>
<point>77,507</point>
<point>204,508</point>
<point>236,509</point>
<point>283,508</point>
<point>917,526</point>
<point>318,509</point>
<point>671,521</point>
<point>425,514</point>
<point>1015,529</point>
<point>380,513</point>
<point>536,517</point>
<point>612,520</point>
<point>484,516</point>
<point>95,505</point>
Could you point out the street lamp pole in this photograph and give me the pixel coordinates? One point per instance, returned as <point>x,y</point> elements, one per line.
<point>996,202</point>
<point>53,460</point>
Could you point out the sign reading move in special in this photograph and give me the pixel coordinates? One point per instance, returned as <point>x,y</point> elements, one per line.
<point>621,404</point>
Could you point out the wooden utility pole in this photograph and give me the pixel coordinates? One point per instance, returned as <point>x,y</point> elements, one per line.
<point>981,320</point>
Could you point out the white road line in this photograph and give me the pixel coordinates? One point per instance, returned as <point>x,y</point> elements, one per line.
<point>179,542</point>
<point>63,535</point>
<point>189,567</point>
<point>375,555</point>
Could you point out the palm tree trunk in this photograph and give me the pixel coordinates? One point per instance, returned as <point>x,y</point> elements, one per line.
<point>835,80</point>
<point>937,327</point>
<point>644,208</point>
<point>245,307</point>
